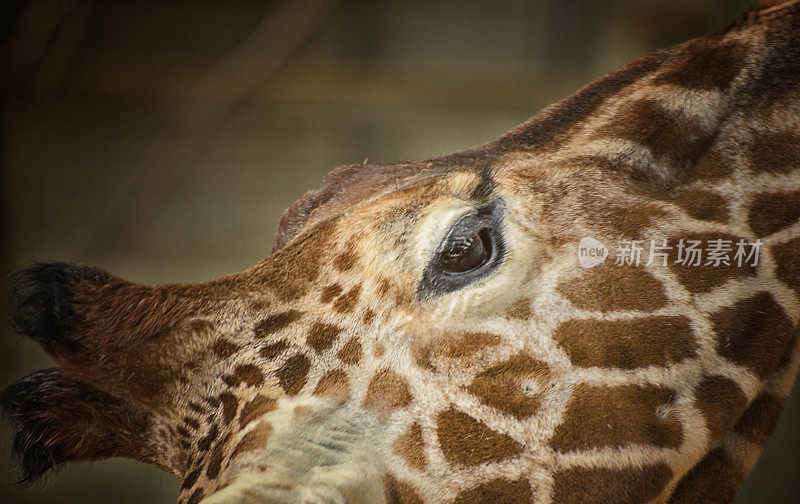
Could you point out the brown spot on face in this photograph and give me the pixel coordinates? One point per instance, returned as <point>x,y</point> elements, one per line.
<point>196,496</point>
<point>601,416</point>
<point>333,385</point>
<point>626,344</point>
<point>275,323</point>
<point>502,386</point>
<point>707,66</point>
<point>713,165</point>
<point>466,441</point>
<point>255,409</point>
<point>634,485</point>
<point>369,315</point>
<point>348,300</point>
<point>229,405</point>
<point>773,212</point>
<point>411,447</point>
<point>378,350</point>
<point>293,374</point>
<point>350,352</point>
<point>399,492</point>
<point>256,438</point>
<point>714,480</point>
<point>519,309</point>
<point>345,260</point>
<point>703,277</point>
<point>721,401</point>
<point>467,343</point>
<point>760,419</point>
<point>754,332</point>
<point>703,205</point>
<point>205,442</point>
<point>223,348</point>
<point>498,491</point>
<point>387,391</point>
<point>609,288</point>
<point>215,462</point>
<point>191,423</point>
<point>787,263</point>
<point>273,350</point>
<point>670,136</point>
<point>330,292</point>
<point>190,479</point>
<point>244,373</point>
<point>321,336</point>
<point>775,152</point>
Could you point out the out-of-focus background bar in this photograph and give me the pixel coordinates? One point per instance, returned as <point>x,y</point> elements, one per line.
<point>162,139</point>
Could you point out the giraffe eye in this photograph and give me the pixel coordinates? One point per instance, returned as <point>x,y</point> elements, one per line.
<point>463,253</point>
<point>471,250</point>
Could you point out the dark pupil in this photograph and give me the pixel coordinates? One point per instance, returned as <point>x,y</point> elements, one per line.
<point>465,253</point>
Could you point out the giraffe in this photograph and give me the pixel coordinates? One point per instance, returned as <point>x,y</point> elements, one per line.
<point>425,332</point>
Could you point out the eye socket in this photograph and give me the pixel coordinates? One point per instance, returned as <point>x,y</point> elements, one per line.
<point>470,251</point>
<point>465,252</point>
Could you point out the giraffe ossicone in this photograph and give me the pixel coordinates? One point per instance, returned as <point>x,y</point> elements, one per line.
<point>424,332</point>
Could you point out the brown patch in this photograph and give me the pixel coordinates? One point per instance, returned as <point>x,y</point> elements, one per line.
<point>721,401</point>
<point>633,485</point>
<point>223,348</point>
<point>627,344</point>
<point>774,152</point>
<point>705,65</point>
<point>772,212</point>
<point>273,350</point>
<point>215,462</point>
<point>348,300</point>
<point>466,441</point>
<point>706,277</point>
<point>760,419</point>
<point>321,336</point>
<point>714,480</point>
<point>191,479</point>
<point>713,165</point>
<point>519,309</point>
<point>378,350</point>
<point>255,409</point>
<point>333,385</point>
<point>498,491</point>
<point>467,343</point>
<point>206,441</point>
<point>345,260</point>
<point>602,416</point>
<point>330,292</point>
<point>387,390</point>
<point>229,406</point>
<point>368,316</point>
<point>275,323</point>
<point>411,447</point>
<point>502,386</point>
<point>244,373</point>
<point>350,352</point>
<point>196,496</point>
<point>754,332</point>
<point>787,263</point>
<point>293,374</point>
<point>703,205</point>
<point>609,288</point>
<point>191,423</point>
<point>253,440</point>
<point>399,492</point>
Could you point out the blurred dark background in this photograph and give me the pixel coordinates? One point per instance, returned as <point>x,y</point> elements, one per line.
<point>162,139</point>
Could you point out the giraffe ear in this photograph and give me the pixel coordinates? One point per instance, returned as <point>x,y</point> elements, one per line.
<point>58,419</point>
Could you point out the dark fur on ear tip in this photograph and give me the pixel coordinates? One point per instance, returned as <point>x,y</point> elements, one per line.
<point>22,404</point>
<point>40,297</point>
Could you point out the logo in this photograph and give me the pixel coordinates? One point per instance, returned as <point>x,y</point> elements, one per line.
<point>591,252</point>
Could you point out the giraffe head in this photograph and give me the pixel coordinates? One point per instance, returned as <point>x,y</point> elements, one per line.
<point>468,328</point>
